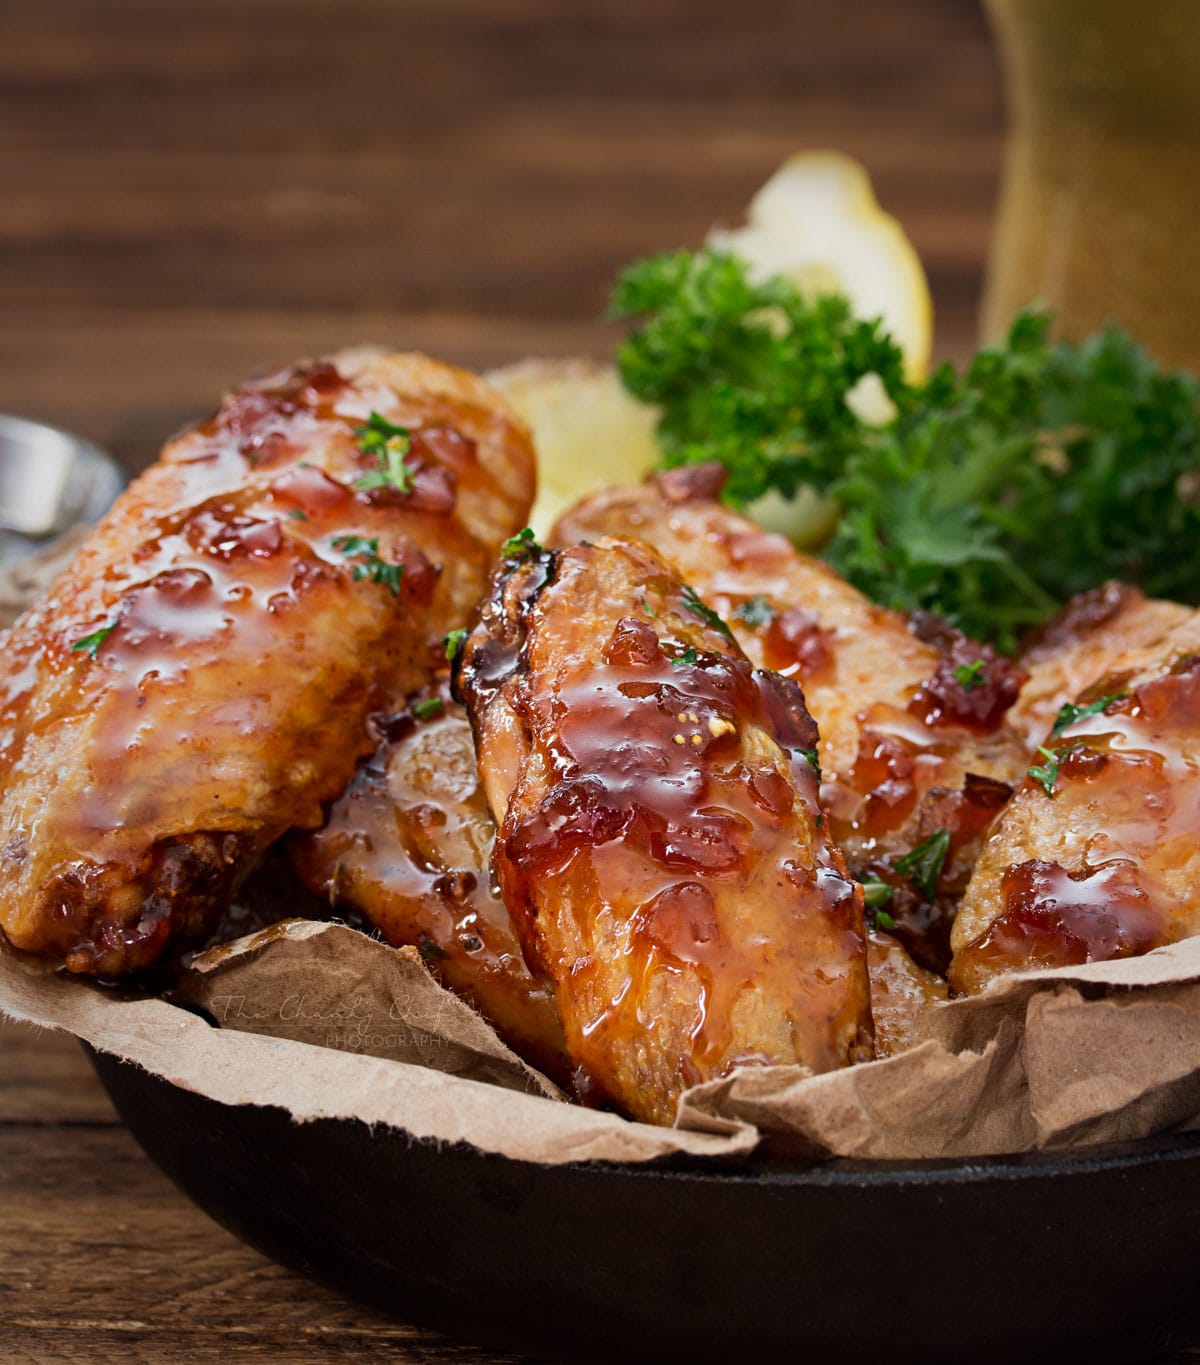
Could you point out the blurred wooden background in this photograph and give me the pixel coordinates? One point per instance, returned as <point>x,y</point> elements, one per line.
<point>190,191</point>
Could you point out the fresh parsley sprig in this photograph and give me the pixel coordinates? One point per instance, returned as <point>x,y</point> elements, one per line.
<point>90,644</point>
<point>389,444</point>
<point>1070,711</point>
<point>524,545</point>
<point>1046,774</point>
<point>970,676</point>
<point>922,865</point>
<point>989,497</point>
<point>703,612</point>
<point>366,551</point>
<point>755,611</point>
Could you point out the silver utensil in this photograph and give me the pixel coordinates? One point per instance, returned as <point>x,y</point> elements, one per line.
<point>49,482</point>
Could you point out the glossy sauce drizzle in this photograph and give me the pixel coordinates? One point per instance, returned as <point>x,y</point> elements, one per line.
<point>653,800</point>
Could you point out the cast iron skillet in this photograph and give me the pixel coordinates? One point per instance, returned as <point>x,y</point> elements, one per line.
<point>1002,1259</point>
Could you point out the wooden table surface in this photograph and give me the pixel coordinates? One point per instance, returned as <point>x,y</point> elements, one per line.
<point>191,191</point>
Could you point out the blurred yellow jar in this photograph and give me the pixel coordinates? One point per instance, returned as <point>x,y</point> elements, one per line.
<point>1100,207</point>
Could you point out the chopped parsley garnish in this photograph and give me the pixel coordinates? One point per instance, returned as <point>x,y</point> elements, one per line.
<point>428,708</point>
<point>970,676</point>
<point>689,656</point>
<point>704,612</point>
<point>923,864</point>
<point>1069,712</point>
<point>1046,774</point>
<point>884,921</point>
<point>454,642</point>
<point>389,444</point>
<point>813,761</point>
<point>370,565</point>
<point>648,609</point>
<point>523,545</point>
<point>755,611</point>
<point>297,514</point>
<point>90,644</point>
<point>988,496</point>
<point>876,893</point>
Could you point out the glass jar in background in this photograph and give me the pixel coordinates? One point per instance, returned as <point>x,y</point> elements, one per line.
<point>1100,206</point>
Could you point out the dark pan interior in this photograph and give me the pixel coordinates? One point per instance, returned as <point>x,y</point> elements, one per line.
<point>998,1259</point>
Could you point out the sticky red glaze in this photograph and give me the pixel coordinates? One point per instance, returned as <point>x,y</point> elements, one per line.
<point>238,648</point>
<point>407,849</point>
<point>1104,865</point>
<point>661,847</point>
<point>1053,917</point>
<point>979,703</point>
<point>620,771</point>
<point>796,645</point>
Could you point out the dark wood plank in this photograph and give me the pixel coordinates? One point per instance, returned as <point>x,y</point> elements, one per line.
<point>45,1079</point>
<point>100,1257</point>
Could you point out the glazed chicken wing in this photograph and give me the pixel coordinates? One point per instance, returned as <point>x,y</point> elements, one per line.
<point>913,732</point>
<point>900,991</point>
<point>1097,855</point>
<point>660,842</point>
<point>408,847</point>
<point>1080,644</point>
<point>197,682</point>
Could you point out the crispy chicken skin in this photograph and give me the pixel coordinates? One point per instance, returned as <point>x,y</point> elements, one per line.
<point>199,678</point>
<point>408,847</point>
<point>1105,864</point>
<point>660,844</point>
<point>1078,645</point>
<point>900,990</point>
<point>906,748</point>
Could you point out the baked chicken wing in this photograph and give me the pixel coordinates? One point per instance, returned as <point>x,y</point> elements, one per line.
<point>1078,645</point>
<point>1097,855</point>
<point>660,844</point>
<point>900,991</point>
<point>408,848</point>
<point>198,680</point>
<point>914,740</point>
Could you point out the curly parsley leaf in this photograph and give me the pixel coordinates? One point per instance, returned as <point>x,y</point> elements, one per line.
<point>524,545</point>
<point>876,893</point>
<point>755,611</point>
<point>923,865</point>
<point>970,676</point>
<point>703,612</point>
<point>1046,774</point>
<point>366,551</point>
<point>90,644</point>
<point>989,497</point>
<point>388,444</point>
<point>1069,712</point>
<point>752,375</point>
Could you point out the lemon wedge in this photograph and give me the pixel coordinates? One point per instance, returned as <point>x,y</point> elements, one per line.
<point>817,223</point>
<point>588,432</point>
